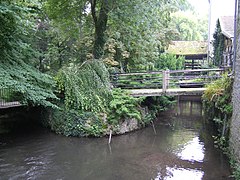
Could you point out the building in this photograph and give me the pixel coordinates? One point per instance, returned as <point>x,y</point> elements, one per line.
<point>227,30</point>
<point>195,52</point>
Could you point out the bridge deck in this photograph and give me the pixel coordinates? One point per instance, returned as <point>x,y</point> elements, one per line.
<point>169,92</point>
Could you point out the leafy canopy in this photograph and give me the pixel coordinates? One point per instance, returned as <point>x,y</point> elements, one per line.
<point>17,55</point>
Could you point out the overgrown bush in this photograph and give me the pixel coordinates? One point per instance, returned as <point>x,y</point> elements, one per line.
<point>218,106</point>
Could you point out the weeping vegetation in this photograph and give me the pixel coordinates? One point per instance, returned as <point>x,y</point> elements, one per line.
<point>85,87</point>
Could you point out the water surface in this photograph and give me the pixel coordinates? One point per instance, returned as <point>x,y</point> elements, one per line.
<point>182,149</point>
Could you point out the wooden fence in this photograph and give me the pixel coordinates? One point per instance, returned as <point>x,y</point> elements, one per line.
<point>165,79</point>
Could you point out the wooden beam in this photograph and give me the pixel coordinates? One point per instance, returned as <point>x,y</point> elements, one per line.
<point>169,92</point>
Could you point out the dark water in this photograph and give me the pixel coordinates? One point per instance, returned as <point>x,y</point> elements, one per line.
<point>182,149</point>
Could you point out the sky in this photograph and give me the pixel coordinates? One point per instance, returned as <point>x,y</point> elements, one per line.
<point>218,8</point>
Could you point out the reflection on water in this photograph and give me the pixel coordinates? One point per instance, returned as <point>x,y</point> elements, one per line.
<point>183,174</point>
<point>182,149</point>
<point>192,151</point>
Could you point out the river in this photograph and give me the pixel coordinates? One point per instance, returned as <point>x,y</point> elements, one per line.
<point>181,149</point>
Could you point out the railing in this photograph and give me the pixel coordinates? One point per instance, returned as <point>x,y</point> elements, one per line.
<point>165,79</point>
<point>8,98</point>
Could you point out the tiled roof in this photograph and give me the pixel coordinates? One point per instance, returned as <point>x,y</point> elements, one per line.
<point>227,25</point>
<point>188,47</point>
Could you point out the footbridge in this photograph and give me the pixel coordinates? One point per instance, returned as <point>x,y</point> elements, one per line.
<point>155,83</point>
<point>172,83</point>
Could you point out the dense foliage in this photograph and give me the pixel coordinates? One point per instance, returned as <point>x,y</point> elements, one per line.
<point>78,43</point>
<point>128,35</point>
<point>169,61</point>
<point>18,55</point>
<point>124,106</point>
<point>85,87</point>
<point>189,26</point>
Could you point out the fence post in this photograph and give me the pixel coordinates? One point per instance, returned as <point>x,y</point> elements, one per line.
<point>165,80</point>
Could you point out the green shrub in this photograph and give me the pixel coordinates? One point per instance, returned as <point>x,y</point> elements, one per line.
<point>169,61</point>
<point>123,106</point>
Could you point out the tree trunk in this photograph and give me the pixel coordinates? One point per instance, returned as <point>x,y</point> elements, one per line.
<point>100,23</point>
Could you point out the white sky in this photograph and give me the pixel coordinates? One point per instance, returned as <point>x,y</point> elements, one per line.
<point>219,8</point>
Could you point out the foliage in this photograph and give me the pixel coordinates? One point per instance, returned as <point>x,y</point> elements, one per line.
<point>236,170</point>
<point>31,86</point>
<point>85,87</point>
<point>123,106</point>
<point>17,55</point>
<point>189,26</point>
<point>217,103</point>
<point>72,123</point>
<point>218,44</point>
<point>141,28</point>
<point>134,41</point>
<point>169,61</point>
<point>159,103</point>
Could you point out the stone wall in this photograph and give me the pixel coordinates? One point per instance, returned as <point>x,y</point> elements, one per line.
<point>235,123</point>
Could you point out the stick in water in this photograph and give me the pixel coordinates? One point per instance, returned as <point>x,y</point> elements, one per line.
<point>153,128</point>
<point>110,137</point>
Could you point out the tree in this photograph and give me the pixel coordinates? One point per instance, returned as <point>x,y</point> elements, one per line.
<point>218,44</point>
<point>75,18</point>
<point>137,32</point>
<point>148,19</point>
<point>189,26</point>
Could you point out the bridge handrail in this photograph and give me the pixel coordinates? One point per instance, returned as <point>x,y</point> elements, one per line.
<point>170,71</point>
<point>138,73</point>
<point>161,79</point>
<point>194,70</point>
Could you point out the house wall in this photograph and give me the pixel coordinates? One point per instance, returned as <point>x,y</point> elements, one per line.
<point>227,52</point>
<point>235,123</point>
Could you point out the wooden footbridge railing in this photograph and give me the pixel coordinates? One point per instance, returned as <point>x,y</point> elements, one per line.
<point>8,98</point>
<point>160,82</point>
